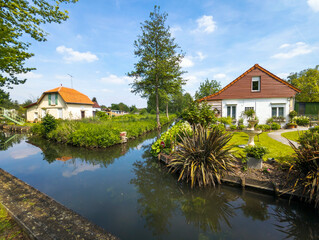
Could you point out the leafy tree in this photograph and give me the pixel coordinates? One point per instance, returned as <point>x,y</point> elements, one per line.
<point>199,114</point>
<point>94,99</point>
<point>158,69</point>
<point>20,18</point>
<point>207,88</point>
<point>308,82</point>
<point>133,109</point>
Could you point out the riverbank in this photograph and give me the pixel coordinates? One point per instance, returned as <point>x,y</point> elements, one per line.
<point>41,217</point>
<point>101,133</point>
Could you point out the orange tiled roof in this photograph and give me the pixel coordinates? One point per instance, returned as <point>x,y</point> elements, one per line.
<point>70,95</point>
<point>245,73</point>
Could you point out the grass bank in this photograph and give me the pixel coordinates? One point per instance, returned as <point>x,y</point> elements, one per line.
<point>8,227</point>
<point>281,152</point>
<point>294,136</point>
<point>101,133</point>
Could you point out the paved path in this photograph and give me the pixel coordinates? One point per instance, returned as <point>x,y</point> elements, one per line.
<point>277,135</point>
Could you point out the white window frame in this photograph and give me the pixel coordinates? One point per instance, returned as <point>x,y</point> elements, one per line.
<point>255,79</point>
<point>277,106</point>
<point>231,110</point>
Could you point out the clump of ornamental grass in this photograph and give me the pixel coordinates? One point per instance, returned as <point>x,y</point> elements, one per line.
<point>306,166</point>
<point>202,157</point>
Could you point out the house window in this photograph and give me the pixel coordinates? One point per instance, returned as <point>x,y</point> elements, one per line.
<point>231,111</point>
<point>53,99</point>
<point>277,111</point>
<point>248,108</point>
<point>255,84</point>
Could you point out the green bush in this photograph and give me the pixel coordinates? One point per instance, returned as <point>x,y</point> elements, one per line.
<point>241,127</point>
<point>306,166</point>
<point>168,140</point>
<point>275,126</point>
<point>270,121</point>
<point>255,151</point>
<point>102,115</point>
<point>144,111</point>
<point>49,123</point>
<point>153,111</point>
<point>225,120</point>
<point>233,127</point>
<point>301,120</point>
<point>292,114</point>
<point>201,158</point>
<point>199,114</point>
<point>263,127</point>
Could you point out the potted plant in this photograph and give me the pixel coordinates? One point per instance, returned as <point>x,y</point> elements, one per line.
<point>291,125</point>
<point>251,118</point>
<point>254,156</point>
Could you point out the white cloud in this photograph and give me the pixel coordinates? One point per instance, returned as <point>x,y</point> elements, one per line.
<point>187,62</point>
<point>206,24</point>
<point>219,76</point>
<point>175,29</point>
<point>113,79</point>
<point>74,56</point>
<point>30,75</point>
<point>314,5</point>
<point>293,50</point>
<point>79,169</point>
<point>62,77</point>
<point>200,56</point>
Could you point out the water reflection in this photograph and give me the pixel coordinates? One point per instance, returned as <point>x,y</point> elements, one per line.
<point>8,139</point>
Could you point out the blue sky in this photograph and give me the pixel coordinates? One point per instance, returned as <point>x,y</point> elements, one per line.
<point>221,39</point>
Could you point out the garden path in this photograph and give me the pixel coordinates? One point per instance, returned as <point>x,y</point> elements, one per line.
<point>277,135</point>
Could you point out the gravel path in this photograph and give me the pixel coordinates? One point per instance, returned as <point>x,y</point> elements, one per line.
<point>277,135</point>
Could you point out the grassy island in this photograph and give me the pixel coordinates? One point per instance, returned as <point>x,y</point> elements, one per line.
<point>99,132</point>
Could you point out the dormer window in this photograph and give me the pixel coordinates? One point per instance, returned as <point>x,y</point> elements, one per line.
<point>53,99</point>
<point>255,84</point>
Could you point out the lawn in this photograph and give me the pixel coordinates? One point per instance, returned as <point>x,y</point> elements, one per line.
<point>294,136</point>
<point>8,228</point>
<point>281,152</point>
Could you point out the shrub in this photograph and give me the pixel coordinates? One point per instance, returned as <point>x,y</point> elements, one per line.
<point>199,114</point>
<point>102,115</point>
<point>144,111</point>
<point>240,122</point>
<point>301,120</point>
<point>292,114</point>
<point>225,120</point>
<point>250,113</point>
<point>306,166</point>
<point>153,111</point>
<point>202,157</point>
<point>169,139</point>
<point>315,129</point>
<point>233,127</point>
<point>49,123</point>
<point>241,127</point>
<point>263,127</point>
<point>275,126</point>
<point>255,151</point>
<point>270,121</point>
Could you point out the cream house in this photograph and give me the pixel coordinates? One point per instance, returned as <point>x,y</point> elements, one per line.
<point>62,103</point>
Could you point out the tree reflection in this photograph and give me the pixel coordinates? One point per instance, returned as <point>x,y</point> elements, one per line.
<point>254,207</point>
<point>8,139</point>
<point>208,209</point>
<point>297,223</point>
<point>158,194</point>
<point>161,193</point>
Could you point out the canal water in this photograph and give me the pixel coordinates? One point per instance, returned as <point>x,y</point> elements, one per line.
<point>131,195</point>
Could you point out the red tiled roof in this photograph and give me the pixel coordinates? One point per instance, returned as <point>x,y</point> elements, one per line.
<point>96,105</point>
<point>30,105</point>
<point>256,66</point>
<point>70,95</point>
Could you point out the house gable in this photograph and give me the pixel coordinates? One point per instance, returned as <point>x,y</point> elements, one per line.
<point>271,86</point>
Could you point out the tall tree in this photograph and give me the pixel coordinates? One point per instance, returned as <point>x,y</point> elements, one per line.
<point>308,82</point>
<point>207,88</point>
<point>158,69</point>
<point>19,18</point>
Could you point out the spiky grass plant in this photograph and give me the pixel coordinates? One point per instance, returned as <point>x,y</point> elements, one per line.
<point>202,157</point>
<point>306,166</point>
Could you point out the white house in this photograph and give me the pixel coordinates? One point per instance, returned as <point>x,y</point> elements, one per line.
<point>257,89</point>
<point>61,102</point>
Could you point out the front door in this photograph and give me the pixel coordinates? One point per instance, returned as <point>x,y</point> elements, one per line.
<point>82,114</point>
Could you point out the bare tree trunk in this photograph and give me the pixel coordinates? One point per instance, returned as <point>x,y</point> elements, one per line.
<point>167,111</point>
<point>157,108</point>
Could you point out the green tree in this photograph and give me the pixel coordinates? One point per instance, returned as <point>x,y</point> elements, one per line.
<point>207,88</point>
<point>158,69</point>
<point>20,18</point>
<point>308,82</point>
<point>94,99</point>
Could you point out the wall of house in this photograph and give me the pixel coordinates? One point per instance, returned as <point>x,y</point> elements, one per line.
<point>262,107</point>
<point>69,111</point>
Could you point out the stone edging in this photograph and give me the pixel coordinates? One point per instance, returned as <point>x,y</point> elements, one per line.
<point>42,217</point>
